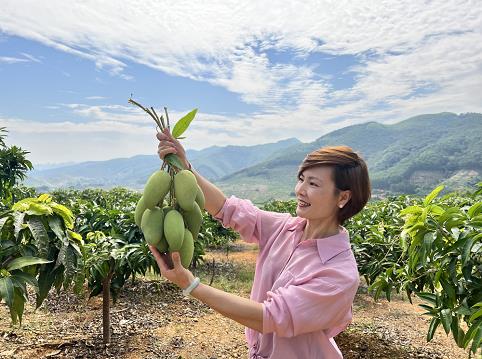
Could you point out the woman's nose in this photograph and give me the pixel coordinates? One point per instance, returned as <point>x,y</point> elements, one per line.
<point>300,189</point>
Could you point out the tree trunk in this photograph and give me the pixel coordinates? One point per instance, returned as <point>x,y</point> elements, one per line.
<point>106,307</point>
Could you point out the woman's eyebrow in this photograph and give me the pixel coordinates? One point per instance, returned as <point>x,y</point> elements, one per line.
<point>316,178</point>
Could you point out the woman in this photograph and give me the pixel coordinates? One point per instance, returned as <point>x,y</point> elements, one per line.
<point>306,276</point>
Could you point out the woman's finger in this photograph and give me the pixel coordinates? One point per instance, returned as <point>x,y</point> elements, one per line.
<point>164,152</point>
<point>176,259</point>
<point>170,137</point>
<point>166,257</point>
<point>160,261</point>
<point>161,136</point>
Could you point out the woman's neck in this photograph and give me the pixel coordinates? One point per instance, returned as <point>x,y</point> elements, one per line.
<point>319,230</point>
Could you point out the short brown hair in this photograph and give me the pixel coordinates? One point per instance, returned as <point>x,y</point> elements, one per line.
<point>350,172</point>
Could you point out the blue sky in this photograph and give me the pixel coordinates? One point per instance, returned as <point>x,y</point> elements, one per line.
<point>256,73</point>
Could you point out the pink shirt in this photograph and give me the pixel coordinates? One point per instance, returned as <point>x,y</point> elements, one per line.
<point>307,288</point>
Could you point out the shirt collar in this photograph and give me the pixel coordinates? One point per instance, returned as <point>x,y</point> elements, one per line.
<point>328,247</point>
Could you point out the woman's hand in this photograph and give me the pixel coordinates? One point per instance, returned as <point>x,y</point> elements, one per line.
<point>168,144</point>
<point>172,269</point>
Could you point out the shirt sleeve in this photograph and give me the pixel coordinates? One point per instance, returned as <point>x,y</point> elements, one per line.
<point>252,223</point>
<point>313,306</point>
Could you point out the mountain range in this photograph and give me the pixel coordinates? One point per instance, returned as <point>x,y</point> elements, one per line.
<point>411,156</point>
<point>213,162</point>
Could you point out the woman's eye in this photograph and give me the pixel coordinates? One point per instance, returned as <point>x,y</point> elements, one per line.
<point>314,184</point>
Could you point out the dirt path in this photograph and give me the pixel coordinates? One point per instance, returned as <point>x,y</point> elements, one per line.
<point>152,320</point>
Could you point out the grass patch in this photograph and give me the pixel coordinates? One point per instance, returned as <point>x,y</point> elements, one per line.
<point>227,276</point>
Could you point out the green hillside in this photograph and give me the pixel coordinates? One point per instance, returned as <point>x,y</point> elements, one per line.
<point>411,156</point>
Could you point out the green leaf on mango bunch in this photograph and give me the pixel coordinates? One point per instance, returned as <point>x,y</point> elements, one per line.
<point>174,160</point>
<point>183,124</point>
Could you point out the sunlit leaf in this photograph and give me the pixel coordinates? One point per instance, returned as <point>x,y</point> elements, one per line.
<point>432,195</point>
<point>183,124</point>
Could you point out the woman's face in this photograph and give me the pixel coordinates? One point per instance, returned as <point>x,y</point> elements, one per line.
<point>315,192</point>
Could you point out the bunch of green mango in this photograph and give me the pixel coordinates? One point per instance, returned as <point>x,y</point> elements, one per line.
<point>172,225</point>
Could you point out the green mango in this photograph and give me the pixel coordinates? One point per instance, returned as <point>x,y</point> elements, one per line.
<point>200,200</point>
<point>193,220</point>
<point>174,230</point>
<point>162,246</point>
<point>166,209</point>
<point>152,225</point>
<point>187,250</point>
<point>140,208</point>
<point>185,189</point>
<point>156,188</point>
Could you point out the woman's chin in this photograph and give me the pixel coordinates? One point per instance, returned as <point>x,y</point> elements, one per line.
<point>301,212</point>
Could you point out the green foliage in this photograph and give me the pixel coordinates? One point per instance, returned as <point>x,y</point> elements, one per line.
<point>39,248</point>
<point>110,212</point>
<point>429,247</point>
<point>213,234</point>
<point>113,259</point>
<point>110,215</point>
<point>13,168</point>
<point>281,206</point>
<point>376,241</point>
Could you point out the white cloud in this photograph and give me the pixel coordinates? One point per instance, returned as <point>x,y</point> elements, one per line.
<point>31,57</point>
<point>15,60</point>
<point>95,98</point>
<point>223,42</point>
<point>11,60</point>
<point>413,57</point>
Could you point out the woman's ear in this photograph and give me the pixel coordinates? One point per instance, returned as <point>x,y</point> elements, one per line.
<point>343,198</point>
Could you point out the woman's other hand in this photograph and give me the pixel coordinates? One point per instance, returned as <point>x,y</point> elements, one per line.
<point>172,269</point>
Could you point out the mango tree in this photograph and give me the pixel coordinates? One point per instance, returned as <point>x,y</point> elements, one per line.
<point>441,262</point>
<point>37,247</point>
<point>13,168</point>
